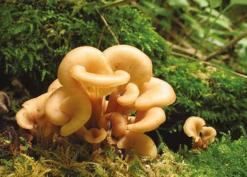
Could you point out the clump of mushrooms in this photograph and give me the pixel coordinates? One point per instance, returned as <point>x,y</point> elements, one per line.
<point>202,135</point>
<point>77,103</point>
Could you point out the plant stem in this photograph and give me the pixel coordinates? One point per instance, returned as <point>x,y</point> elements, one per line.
<point>231,44</point>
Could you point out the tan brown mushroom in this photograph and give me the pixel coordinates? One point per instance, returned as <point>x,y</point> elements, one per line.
<point>131,60</point>
<point>34,109</point>
<point>202,136</point>
<point>129,95</point>
<point>193,126</point>
<point>139,142</point>
<point>156,92</point>
<point>208,135</point>
<point>134,62</point>
<point>147,120</point>
<point>92,135</point>
<point>86,77</point>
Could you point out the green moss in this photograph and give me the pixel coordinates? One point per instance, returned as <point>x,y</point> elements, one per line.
<point>67,159</point>
<point>206,91</point>
<point>222,159</point>
<point>35,35</point>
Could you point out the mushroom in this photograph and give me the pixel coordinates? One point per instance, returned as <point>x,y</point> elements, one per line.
<point>93,135</point>
<point>156,92</point>
<point>34,109</point>
<point>53,110</point>
<point>147,120</point>
<point>202,135</point>
<point>140,143</point>
<point>139,67</point>
<point>131,60</point>
<point>208,135</point>
<point>193,126</point>
<point>130,94</point>
<point>87,77</point>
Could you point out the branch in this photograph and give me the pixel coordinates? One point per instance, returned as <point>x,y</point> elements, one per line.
<point>210,64</point>
<point>231,44</point>
<point>116,3</point>
<point>188,51</point>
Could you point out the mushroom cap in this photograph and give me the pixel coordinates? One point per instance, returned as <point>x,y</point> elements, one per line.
<point>139,142</point>
<point>82,111</point>
<point>208,134</point>
<point>32,110</point>
<point>52,108</point>
<point>131,60</point>
<point>87,67</point>
<point>131,92</point>
<point>193,126</point>
<point>154,93</point>
<point>54,85</point>
<point>99,84</point>
<point>93,135</point>
<point>148,120</point>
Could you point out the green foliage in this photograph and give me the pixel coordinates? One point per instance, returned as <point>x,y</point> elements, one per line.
<point>35,36</point>
<point>222,159</point>
<point>206,91</point>
<point>199,28</point>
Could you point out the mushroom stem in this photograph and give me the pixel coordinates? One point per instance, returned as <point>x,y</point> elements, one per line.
<point>97,112</point>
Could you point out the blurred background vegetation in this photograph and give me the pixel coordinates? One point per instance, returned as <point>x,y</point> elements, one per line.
<point>198,46</point>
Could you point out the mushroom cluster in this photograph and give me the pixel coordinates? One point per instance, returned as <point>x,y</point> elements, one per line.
<point>202,135</point>
<point>108,96</point>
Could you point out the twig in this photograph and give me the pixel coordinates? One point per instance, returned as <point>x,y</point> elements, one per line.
<point>116,3</point>
<point>109,28</point>
<point>187,51</point>
<point>231,44</point>
<point>101,37</point>
<point>210,64</point>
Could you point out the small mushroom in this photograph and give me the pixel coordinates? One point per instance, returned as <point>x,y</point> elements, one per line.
<point>208,135</point>
<point>93,135</point>
<point>193,126</point>
<point>139,142</point>
<point>156,92</point>
<point>202,135</point>
<point>34,109</point>
<point>147,120</point>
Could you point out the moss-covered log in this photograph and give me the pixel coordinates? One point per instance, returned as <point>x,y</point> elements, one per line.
<point>35,35</point>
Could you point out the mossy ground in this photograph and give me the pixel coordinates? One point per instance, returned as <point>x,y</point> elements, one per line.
<point>20,158</point>
<point>64,158</point>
